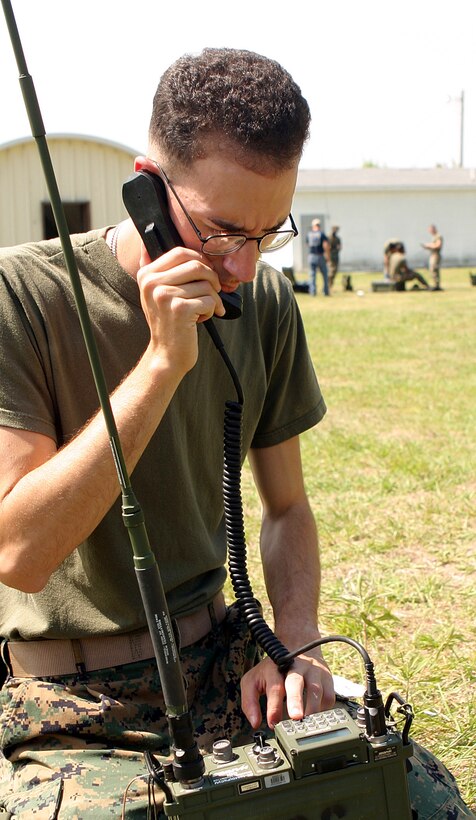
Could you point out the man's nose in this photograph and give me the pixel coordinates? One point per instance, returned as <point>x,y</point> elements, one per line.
<point>242,263</point>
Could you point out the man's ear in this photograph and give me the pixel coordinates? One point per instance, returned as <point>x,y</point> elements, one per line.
<point>140,163</point>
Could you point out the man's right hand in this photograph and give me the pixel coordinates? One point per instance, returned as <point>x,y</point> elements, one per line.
<point>178,290</point>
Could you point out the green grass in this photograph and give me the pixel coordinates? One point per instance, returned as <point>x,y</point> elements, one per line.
<point>390,472</point>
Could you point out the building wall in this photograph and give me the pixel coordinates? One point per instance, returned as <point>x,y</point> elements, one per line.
<point>367,218</point>
<point>86,170</point>
<point>369,205</point>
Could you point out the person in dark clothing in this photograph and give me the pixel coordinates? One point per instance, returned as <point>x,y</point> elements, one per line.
<point>318,257</point>
<point>335,245</point>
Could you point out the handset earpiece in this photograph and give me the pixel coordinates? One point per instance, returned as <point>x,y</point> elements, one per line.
<point>145,198</point>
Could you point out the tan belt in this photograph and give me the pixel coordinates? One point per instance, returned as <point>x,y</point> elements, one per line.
<point>53,658</point>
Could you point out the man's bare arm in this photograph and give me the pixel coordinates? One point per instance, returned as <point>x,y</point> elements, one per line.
<point>292,574</point>
<point>50,501</point>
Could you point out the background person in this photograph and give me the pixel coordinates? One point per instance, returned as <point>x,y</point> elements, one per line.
<point>388,249</point>
<point>434,262</point>
<point>398,269</point>
<point>335,246</point>
<point>318,255</point>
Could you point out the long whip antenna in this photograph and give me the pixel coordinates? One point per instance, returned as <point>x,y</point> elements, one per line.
<point>147,571</point>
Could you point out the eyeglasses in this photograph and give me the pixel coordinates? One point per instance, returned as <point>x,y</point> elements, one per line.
<point>223,243</point>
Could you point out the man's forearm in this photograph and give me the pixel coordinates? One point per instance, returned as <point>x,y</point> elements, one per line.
<point>290,555</point>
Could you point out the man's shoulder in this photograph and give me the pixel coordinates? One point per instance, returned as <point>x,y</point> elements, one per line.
<point>270,279</point>
<point>270,294</point>
<point>38,272</point>
<point>30,253</point>
<point>25,263</point>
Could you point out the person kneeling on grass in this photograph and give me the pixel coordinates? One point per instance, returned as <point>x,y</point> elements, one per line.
<point>399,271</point>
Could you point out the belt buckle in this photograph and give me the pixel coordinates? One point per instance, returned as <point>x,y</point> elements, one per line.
<point>5,656</point>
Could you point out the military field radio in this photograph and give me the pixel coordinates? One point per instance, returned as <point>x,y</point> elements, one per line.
<point>325,766</point>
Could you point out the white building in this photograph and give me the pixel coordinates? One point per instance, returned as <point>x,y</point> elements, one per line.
<point>369,204</point>
<point>89,173</point>
<point>372,204</point>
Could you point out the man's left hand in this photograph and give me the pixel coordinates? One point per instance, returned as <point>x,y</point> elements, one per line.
<point>307,688</point>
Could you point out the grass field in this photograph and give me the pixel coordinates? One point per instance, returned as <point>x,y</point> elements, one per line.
<point>390,472</point>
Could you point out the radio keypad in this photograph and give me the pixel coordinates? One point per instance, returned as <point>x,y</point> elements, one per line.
<point>320,722</point>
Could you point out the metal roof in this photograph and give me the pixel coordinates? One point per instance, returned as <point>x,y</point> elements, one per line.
<point>74,137</point>
<point>344,179</point>
<point>386,178</point>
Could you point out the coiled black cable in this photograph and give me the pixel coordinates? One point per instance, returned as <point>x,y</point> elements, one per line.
<point>235,529</point>
<point>237,542</point>
<point>235,532</point>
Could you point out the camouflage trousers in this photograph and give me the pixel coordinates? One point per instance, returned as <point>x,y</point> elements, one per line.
<point>333,266</point>
<point>409,275</point>
<point>434,268</point>
<point>73,747</point>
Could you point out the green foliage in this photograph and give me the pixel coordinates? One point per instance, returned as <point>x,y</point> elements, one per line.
<point>390,473</point>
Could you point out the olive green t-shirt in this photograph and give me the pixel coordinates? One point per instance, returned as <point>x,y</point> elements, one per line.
<point>46,386</point>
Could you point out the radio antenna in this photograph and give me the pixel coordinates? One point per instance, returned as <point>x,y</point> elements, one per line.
<point>188,764</point>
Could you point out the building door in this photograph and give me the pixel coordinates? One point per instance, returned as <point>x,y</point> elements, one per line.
<point>78,218</point>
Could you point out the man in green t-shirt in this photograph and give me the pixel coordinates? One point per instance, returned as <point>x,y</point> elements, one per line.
<point>83,699</point>
<point>68,583</point>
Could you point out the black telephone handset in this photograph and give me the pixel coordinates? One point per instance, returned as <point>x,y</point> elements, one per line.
<point>145,199</point>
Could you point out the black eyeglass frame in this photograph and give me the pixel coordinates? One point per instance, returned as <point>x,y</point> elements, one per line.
<point>293,231</point>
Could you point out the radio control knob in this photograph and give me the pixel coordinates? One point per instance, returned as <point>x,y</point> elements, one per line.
<point>222,751</point>
<point>267,757</point>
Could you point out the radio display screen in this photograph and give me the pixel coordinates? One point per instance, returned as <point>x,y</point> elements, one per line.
<point>334,734</point>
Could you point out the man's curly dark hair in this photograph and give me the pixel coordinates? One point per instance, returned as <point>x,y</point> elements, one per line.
<point>248,102</point>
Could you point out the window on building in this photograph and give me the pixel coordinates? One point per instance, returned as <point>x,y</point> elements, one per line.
<point>78,218</point>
